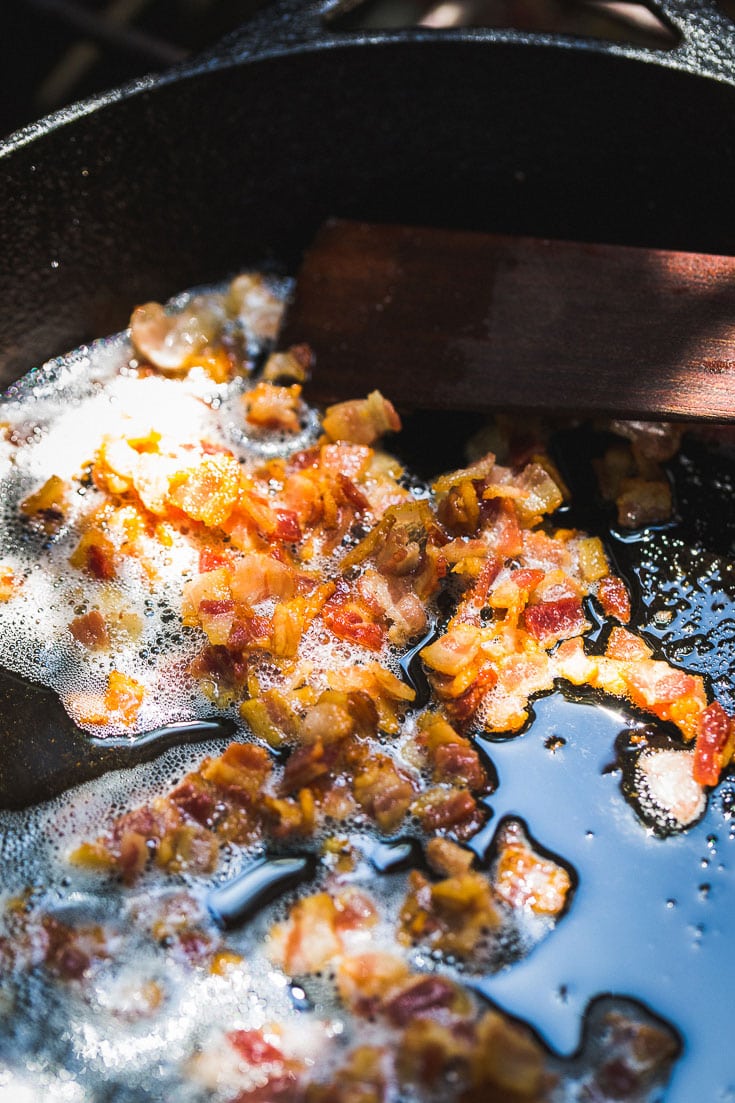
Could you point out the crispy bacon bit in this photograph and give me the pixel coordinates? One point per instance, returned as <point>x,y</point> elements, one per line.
<point>447,858</point>
<point>715,743</point>
<point>287,526</point>
<point>592,559</point>
<point>211,559</point>
<point>549,621</point>
<point>644,502</point>
<point>96,555</point>
<point>459,510</point>
<point>362,420</point>
<point>452,757</point>
<point>272,407</point>
<point>614,598</point>
<point>250,298</point>
<point>523,879</point>
<point>253,1048</point>
<point>508,1058</point>
<point>71,952</point>
<point>8,583</point>
<point>168,340</point>
<point>208,491</point>
<point>352,622</point>
<point>216,617</point>
<point>292,366</point>
<point>668,693</point>
<point>453,916</point>
<point>422,997</point>
<point>539,495</point>
<point>454,650</point>
<point>240,772</point>
<point>124,696</point>
<point>383,792</point>
<point>451,811</point>
<point>365,980</point>
<point>627,647</point>
<point>91,631</point>
<point>48,502</point>
<point>194,801</point>
<point>463,707</point>
<point>311,936</point>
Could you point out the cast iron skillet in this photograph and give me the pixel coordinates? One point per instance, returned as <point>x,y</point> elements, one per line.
<point>235,159</point>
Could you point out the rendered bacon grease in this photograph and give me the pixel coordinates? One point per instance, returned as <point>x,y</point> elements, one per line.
<point>178,539</point>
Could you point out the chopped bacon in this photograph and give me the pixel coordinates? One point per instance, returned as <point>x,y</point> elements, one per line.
<point>383,792</point>
<point>96,555</point>
<point>208,491</point>
<point>351,622</point>
<point>424,996</point>
<point>526,880</point>
<point>393,599</point>
<point>539,494</point>
<point>91,631</point>
<point>216,617</point>
<point>366,980</point>
<point>49,502</point>
<point>290,366</point>
<point>453,916</point>
<point>510,1062</point>
<point>309,938</point>
<point>124,696</point>
<point>714,744</point>
<point>194,801</point>
<point>240,772</point>
<point>362,420</point>
<point>287,526</point>
<point>352,493</point>
<point>452,757</point>
<point>501,527</point>
<point>463,707</point>
<point>668,693</point>
<point>627,647</point>
<point>453,811</point>
<point>168,340</point>
<point>256,577</point>
<point>307,765</point>
<point>614,598</point>
<point>253,1048</point>
<point>459,511</point>
<point>211,559</point>
<point>268,406</point>
<point>643,502</point>
<point>592,559</point>
<point>549,621</point>
<point>454,650</point>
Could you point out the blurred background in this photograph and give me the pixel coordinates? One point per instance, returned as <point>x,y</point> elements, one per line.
<point>54,52</point>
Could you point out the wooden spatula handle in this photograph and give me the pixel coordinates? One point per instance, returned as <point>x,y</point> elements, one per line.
<point>444,319</point>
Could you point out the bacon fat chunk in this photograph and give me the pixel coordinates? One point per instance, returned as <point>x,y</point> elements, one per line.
<point>715,743</point>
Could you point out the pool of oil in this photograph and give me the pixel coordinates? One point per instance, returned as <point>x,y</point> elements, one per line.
<point>652,919</point>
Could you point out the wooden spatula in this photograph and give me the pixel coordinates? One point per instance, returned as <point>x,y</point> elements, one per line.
<point>441,319</point>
